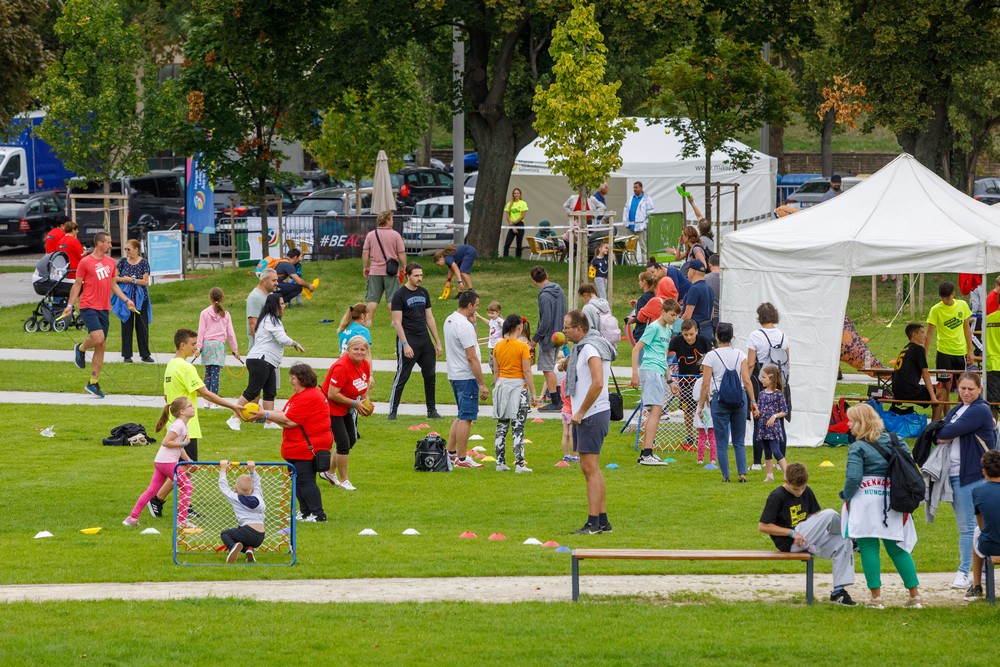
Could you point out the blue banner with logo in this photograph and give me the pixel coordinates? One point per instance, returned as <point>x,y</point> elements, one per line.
<point>199,209</point>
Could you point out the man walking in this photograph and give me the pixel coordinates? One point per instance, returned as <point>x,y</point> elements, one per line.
<point>637,210</point>
<point>587,385</point>
<point>95,281</point>
<point>256,299</point>
<point>412,318</point>
<point>465,374</point>
<point>951,318</point>
<point>551,310</point>
<point>383,249</point>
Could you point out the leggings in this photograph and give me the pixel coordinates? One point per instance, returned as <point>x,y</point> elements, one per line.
<point>707,436</point>
<point>773,448</point>
<point>503,426</point>
<point>344,434</point>
<point>870,562</point>
<point>212,374</point>
<point>161,473</point>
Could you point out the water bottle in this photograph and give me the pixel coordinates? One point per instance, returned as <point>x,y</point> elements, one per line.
<point>868,359</point>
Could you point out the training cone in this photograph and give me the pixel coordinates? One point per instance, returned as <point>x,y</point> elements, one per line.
<point>414,428</point>
<point>42,534</point>
<point>826,464</point>
<point>368,531</point>
<point>550,544</point>
<point>489,459</point>
<point>191,531</point>
<point>475,436</point>
<point>426,425</point>
<point>410,531</point>
<point>669,460</point>
<point>475,454</point>
<point>480,448</point>
<point>612,466</point>
<point>563,550</point>
<point>711,466</point>
<point>537,420</point>
<point>434,433</point>
<point>48,432</point>
<point>90,531</point>
<point>528,442</point>
<point>561,464</point>
<point>496,537</point>
<point>315,283</point>
<point>532,542</point>
<point>468,535</point>
<point>150,531</point>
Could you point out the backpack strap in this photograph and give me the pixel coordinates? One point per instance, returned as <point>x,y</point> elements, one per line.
<point>878,448</point>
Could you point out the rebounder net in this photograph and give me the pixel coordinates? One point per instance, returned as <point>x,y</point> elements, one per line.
<point>678,427</point>
<point>197,540</point>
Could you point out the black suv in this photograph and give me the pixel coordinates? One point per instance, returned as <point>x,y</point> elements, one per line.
<point>225,189</point>
<point>155,201</point>
<point>420,183</point>
<point>26,219</point>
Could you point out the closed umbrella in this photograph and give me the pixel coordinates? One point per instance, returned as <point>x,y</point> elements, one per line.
<point>382,197</point>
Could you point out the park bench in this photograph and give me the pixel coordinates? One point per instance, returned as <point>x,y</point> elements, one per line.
<point>686,554</point>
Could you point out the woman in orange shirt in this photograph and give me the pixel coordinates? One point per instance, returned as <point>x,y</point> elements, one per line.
<point>514,386</point>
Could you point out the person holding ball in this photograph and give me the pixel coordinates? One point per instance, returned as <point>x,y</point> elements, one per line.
<point>346,386</point>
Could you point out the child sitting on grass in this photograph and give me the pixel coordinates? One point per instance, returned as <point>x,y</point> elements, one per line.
<point>247,500</point>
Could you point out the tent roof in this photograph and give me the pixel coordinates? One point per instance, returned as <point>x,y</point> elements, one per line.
<point>902,219</point>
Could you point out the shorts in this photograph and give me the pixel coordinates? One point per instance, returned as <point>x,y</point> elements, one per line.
<point>988,553</point>
<point>567,418</point>
<point>379,285</point>
<point>993,386</point>
<point>949,362</point>
<point>467,398</point>
<point>652,387</point>
<point>465,266</point>
<point>547,353</point>
<point>918,393</point>
<point>95,319</point>
<point>589,434</point>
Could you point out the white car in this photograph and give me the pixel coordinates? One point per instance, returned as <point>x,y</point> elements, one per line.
<point>430,227</point>
<point>470,183</point>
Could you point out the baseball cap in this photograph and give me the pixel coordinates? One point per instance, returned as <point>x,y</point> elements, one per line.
<point>697,265</point>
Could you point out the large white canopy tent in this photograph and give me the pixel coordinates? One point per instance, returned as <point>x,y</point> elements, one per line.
<point>652,156</point>
<point>903,219</point>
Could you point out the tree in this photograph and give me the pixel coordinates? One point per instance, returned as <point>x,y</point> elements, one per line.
<point>97,121</point>
<point>388,115</point>
<point>577,116</point>
<point>715,90</point>
<point>22,54</point>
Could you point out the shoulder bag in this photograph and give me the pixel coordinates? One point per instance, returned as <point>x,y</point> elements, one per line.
<point>322,457</point>
<point>391,265</point>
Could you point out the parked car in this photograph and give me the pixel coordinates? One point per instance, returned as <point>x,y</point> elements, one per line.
<point>333,201</point>
<point>470,183</point>
<point>420,183</point>
<point>225,189</point>
<point>986,190</point>
<point>313,181</point>
<point>410,160</point>
<point>155,201</point>
<point>811,192</point>
<point>26,219</point>
<point>431,227</point>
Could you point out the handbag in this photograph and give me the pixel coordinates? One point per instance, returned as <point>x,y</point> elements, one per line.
<point>431,455</point>
<point>391,265</point>
<point>616,401</point>
<point>322,457</point>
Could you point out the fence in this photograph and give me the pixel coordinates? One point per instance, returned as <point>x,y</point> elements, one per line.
<point>680,428</point>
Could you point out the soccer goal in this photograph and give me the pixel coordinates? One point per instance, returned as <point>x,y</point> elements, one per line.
<point>200,542</point>
<point>677,429</point>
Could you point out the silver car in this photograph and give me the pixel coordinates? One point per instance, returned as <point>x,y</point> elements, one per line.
<point>811,192</point>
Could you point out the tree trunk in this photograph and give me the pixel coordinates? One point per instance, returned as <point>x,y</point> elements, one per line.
<point>776,144</point>
<point>424,149</point>
<point>826,143</point>
<point>927,143</point>
<point>497,147</point>
<point>261,196</point>
<point>708,180</point>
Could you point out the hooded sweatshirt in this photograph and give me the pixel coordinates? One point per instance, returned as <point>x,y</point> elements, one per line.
<point>248,509</point>
<point>551,311</point>
<point>212,326</point>
<point>603,347</point>
<point>593,310</point>
<point>665,289</point>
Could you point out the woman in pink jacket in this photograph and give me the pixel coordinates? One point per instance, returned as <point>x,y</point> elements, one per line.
<point>215,327</point>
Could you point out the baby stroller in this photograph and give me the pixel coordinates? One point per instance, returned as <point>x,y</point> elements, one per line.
<point>49,281</point>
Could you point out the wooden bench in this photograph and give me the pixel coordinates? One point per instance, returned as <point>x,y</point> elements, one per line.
<point>682,554</point>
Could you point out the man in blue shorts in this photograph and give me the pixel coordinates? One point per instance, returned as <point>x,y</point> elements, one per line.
<point>465,374</point>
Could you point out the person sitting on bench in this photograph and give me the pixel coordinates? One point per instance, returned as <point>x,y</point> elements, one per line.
<point>795,522</point>
<point>911,367</point>
<point>986,538</point>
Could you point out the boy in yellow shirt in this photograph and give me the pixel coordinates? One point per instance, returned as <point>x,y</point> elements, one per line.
<point>950,318</point>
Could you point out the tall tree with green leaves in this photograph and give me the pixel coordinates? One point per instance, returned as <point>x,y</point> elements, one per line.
<point>714,90</point>
<point>22,54</point>
<point>578,116</point>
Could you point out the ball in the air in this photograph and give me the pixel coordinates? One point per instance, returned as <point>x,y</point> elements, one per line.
<point>250,410</point>
<point>559,338</point>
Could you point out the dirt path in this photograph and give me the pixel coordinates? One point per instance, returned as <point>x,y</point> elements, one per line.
<point>673,588</point>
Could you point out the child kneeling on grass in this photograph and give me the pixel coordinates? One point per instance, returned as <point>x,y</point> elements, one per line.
<point>795,522</point>
<point>247,500</point>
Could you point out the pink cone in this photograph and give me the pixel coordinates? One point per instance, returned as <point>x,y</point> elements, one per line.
<point>468,535</point>
<point>562,464</point>
<point>497,536</point>
<point>550,543</point>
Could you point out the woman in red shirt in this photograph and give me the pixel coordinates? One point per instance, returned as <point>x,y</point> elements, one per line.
<point>346,386</point>
<point>306,431</point>
<point>70,245</point>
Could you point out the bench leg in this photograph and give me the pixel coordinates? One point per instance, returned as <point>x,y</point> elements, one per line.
<point>991,590</point>
<point>809,581</point>
<point>576,578</point>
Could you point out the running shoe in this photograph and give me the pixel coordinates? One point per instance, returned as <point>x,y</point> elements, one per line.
<point>503,467</point>
<point>251,558</point>
<point>79,358</point>
<point>522,467</point>
<point>155,506</point>
<point>973,593</point>
<point>330,478</point>
<point>95,389</point>
<point>588,529</point>
<point>234,553</point>
<point>347,486</point>
<point>651,460</point>
<point>467,463</point>
<point>843,598</point>
<point>233,423</point>
<point>129,521</point>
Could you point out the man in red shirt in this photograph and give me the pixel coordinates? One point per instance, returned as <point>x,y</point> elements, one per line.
<point>993,298</point>
<point>95,281</point>
<point>53,238</point>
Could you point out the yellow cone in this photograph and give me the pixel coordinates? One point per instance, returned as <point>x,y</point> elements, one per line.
<point>826,464</point>
<point>90,531</point>
<point>315,283</point>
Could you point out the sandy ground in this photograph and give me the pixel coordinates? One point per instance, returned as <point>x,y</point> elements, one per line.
<point>677,589</point>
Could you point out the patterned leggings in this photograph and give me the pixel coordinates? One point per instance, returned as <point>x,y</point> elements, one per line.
<point>212,374</point>
<point>503,425</point>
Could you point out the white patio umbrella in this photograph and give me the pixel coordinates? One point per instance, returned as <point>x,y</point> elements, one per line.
<point>382,197</point>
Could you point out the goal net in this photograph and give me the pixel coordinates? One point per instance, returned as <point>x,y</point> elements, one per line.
<point>199,541</point>
<point>677,429</point>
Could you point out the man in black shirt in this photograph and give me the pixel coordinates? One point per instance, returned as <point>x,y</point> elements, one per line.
<point>911,367</point>
<point>795,522</point>
<point>412,318</point>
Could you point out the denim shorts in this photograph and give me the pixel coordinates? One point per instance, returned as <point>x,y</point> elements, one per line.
<point>467,398</point>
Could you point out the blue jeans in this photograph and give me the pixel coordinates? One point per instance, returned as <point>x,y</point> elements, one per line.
<point>965,517</point>
<point>730,424</point>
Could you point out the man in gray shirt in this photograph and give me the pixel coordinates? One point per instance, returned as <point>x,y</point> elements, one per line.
<point>714,280</point>
<point>256,298</point>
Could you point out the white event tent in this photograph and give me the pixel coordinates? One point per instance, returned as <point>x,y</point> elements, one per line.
<point>903,219</point>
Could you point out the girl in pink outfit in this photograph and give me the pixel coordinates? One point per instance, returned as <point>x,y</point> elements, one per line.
<point>706,434</point>
<point>171,451</point>
<point>215,327</point>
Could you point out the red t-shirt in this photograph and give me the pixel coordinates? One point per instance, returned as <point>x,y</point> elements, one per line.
<point>71,245</point>
<point>350,379</point>
<point>309,409</point>
<point>992,302</point>
<point>53,238</point>
<point>98,277</point>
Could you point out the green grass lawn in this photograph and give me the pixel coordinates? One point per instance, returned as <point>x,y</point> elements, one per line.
<point>610,633</point>
<point>72,482</point>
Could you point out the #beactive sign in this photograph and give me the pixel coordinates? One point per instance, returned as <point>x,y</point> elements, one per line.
<point>165,253</point>
<point>343,237</point>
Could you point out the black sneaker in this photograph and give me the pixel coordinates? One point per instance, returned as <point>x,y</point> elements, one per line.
<point>843,598</point>
<point>550,407</point>
<point>588,529</point>
<point>391,416</point>
<point>155,506</point>
<point>434,414</point>
<point>606,528</point>
<point>148,360</point>
<point>95,389</point>
<point>127,360</point>
<point>192,512</point>
<point>973,593</point>
<point>79,358</point>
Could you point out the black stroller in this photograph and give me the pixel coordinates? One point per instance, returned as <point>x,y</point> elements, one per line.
<point>49,281</point>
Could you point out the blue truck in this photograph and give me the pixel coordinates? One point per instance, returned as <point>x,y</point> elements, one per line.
<point>27,164</point>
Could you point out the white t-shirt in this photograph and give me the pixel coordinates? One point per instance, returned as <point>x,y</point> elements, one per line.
<point>172,454</point>
<point>459,334</point>
<point>721,359</point>
<point>762,340</point>
<point>583,380</point>
<point>496,331</point>
<point>955,453</point>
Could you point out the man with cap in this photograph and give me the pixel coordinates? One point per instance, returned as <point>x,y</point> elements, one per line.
<point>699,300</point>
<point>834,190</point>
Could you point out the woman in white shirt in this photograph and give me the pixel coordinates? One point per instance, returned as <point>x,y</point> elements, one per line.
<point>767,345</point>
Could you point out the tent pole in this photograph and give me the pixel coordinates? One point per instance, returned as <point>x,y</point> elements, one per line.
<point>982,316</point>
<point>920,293</point>
<point>874,298</point>
<point>913,303</point>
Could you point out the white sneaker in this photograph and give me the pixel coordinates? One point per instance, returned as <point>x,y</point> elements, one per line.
<point>233,423</point>
<point>308,519</point>
<point>961,580</point>
<point>330,478</point>
<point>651,460</point>
<point>503,467</point>
<point>755,466</point>
<point>521,467</point>
<point>270,425</point>
<point>347,486</point>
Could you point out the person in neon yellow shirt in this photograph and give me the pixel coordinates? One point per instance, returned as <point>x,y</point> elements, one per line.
<point>950,318</point>
<point>993,360</point>
<point>513,214</point>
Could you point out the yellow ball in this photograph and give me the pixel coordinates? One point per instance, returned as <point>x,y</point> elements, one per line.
<point>250,410</point>
<point>559,338</point>
<point>368,405</point>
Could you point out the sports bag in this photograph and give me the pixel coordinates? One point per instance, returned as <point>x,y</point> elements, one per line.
<point>731,393</point>
<point>431,455</point>
<point>128,435</point>
<point>838,418</point>
<point>906,485</point>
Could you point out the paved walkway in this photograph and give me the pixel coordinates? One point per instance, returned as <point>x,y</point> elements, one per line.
<point>17,289</point>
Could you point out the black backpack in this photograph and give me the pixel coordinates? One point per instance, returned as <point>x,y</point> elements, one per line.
<point>129,435</point>
<point>431,455</point>
<point>731,392</point>
<point>906,486</point>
